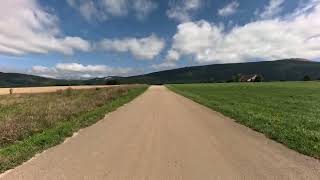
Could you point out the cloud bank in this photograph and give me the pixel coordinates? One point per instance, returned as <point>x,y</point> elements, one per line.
<point>229,9</point>
<point>182,10</point>
<point>105,9</point>
<point>25,27</point>
<point>146,48</point>
<point>272,9</point>
<point>295,35</point>
<point>79,71</point>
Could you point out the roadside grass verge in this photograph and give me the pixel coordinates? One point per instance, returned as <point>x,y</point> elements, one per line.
<point>288,112</point>
<point>32,123</point>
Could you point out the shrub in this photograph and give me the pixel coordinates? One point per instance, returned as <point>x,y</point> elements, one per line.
<point>306,78</point>
<point>112,82</point>
<point>259,78</point>
<point>68,91</point>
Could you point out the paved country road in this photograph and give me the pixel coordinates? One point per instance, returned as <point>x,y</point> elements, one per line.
<point>162,135</point>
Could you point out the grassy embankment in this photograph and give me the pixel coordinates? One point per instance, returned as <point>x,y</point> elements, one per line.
<point>31,123</point>
<point>288,112</point>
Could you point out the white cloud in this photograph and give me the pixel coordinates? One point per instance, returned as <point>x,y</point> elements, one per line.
<point>105,9</point>
<point>182,10</point>
<point>88,10</point>
<point>272,9</point>
<point>143,8</point>
<point>116,7</point>
<point>75,67</point>
<point>164,66</point>
<point>43,71</point>
<point>172,56</point>
<point>79,71</point>
<point>26,28</point>
<point>170,61</point>
<point>145,48</point>
<point>296,35</point>
<point>40,69</point>
<point>229,9</point>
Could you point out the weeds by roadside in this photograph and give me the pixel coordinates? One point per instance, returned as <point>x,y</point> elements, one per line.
<point>33,122</point>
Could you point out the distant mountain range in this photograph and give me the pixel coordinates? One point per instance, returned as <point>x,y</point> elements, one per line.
<point>25,80</point>
<point>280,70</point>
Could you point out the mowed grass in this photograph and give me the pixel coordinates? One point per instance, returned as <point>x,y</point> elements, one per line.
<point>288,112</point>
<point>30,123</point>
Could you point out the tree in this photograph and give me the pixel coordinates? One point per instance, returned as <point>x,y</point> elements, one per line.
<point>112,82</point>
<point>259,78</point>
<point>306,78</point>
<point>236,78</point>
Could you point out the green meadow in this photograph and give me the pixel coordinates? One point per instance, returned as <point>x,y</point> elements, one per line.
<point>288,112</point>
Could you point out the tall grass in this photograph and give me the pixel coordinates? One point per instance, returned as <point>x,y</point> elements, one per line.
<point>34,122</point>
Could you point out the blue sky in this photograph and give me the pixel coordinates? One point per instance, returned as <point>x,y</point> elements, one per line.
<point>96,38</point>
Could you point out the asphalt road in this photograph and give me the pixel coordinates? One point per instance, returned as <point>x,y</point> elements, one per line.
<point>161,135</point>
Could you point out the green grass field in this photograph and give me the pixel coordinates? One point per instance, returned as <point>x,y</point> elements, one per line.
<point>30,123</point>
<point>288,112</point>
